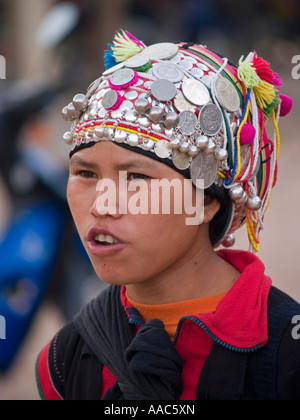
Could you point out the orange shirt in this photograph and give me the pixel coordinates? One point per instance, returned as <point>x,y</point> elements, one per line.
<point>171,313</point>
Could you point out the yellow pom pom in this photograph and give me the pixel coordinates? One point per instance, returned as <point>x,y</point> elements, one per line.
<point>265,94</point>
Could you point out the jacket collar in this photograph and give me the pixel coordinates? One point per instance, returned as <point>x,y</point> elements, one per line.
<point>240,321</point>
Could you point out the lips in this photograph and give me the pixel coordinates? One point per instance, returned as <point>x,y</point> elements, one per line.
<point>103,242</point>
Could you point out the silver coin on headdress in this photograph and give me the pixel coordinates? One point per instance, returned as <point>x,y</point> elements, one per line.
<point>122,77</point>
<point>168,71</point>
<point>187,123</point>
<point>162,51</point>
<point>137,61</point>
<point>195,92</point>
<point>181,160</point>
<point>227,95</point>
<point>110,99</point>
<point>204,167</point>
<point>211,119</point>
<point>163,90</point>
<point>162,149</point>
<point>182,104</point>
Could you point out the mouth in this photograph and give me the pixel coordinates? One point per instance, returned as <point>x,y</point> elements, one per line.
<point>103,243</point>
<point>105,240</point>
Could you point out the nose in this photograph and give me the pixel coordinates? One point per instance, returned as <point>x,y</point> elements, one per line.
<point>106,202</point>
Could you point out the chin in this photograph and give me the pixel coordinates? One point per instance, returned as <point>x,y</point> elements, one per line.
<point>109,276</point>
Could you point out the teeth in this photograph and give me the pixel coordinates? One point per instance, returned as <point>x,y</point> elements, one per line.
<point>106,238</point>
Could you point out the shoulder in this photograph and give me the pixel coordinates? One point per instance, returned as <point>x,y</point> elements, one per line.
<point>284,327</point>
<point>56,362</point>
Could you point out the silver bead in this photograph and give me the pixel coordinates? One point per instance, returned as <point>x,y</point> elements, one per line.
<point>202,142</point>
<point>108,134</point>
<point>175,143</point>
<point>193,150</point>
<point>157,128</point>
<point>142,106</point>
<point>73,113</point>
<point>244,199</point>
<point>68,139</point>
<point>171,120</point>
<point>156,114</point>
<point>144,122</point>
<point>236,193</point>
<point>80,102</point>
<point>229,241</point>
<point>99,132</point>
<point>133,140</point>
<point>211,147</point>
<point>120,136</point>
<point>148,146</point>
<point>65,114</point>
<point>254,203</point>
<point>221,154</point>
<point>184,147</point>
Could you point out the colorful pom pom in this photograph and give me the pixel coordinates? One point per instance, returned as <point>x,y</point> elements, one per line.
<point>263,69</point>
<point>266,97</point>
<point>109,59</point>
<point>125,46</point>
<point>286,105</point>
<point>247,74</point>
<point>247,135</point>
<point>277,82</point>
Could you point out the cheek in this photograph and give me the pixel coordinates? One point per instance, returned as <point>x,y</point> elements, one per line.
<point>80,201</point>
<point>165,236</point>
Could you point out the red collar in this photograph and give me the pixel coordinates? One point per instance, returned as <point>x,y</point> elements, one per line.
<point>240,320</point>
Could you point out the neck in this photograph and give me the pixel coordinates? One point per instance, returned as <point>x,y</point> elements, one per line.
<point>201,274</point>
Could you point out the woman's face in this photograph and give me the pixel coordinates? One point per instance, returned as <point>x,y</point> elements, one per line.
<point>126,246</point>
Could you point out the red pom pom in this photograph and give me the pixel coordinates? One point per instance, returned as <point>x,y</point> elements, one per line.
<point>286,105</point>
<point>263,69</point>
<point>247,134</point>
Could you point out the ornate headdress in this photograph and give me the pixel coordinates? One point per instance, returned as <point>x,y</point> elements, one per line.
<point>192,109</point>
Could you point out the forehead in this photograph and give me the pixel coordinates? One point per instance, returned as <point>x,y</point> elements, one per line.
<point>108,154</point>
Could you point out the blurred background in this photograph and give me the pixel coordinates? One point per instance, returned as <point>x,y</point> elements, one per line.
<point>53,50</point>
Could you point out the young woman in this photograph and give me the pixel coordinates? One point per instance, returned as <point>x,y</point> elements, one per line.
<point>165,130</point>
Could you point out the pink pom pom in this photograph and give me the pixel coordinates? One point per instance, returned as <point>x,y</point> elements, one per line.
<point>286,105</point>
<point>247,134</point>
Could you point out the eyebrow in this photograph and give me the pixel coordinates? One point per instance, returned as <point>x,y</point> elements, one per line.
<point>83,163</point>
<point>134,165</point>
<point>121,167</point>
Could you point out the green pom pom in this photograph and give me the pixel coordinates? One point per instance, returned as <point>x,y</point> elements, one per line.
<point>247,74</point>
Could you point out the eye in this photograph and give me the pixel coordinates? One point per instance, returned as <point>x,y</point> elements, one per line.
<point>137,177</point>
<point>86,174</point>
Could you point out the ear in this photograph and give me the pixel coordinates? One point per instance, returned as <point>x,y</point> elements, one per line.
<point>211,208</point>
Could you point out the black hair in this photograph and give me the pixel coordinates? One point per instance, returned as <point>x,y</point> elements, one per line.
<point>219,223</point>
